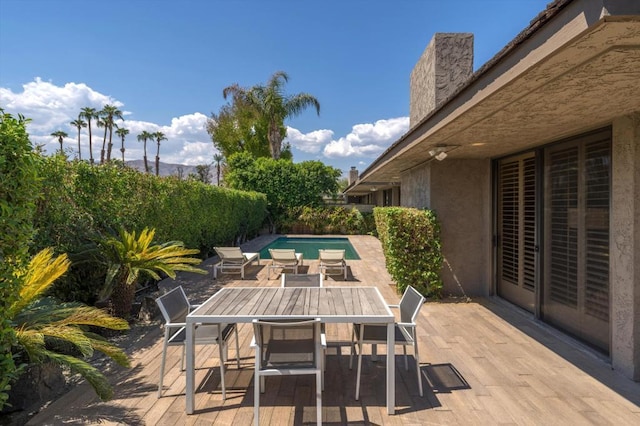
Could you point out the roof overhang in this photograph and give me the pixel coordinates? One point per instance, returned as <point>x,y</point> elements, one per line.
<point>576,72</point>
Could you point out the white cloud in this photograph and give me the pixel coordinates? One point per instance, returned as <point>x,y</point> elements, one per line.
<point>369,139</point>
<point>311,142</point>
<point>52,108</point>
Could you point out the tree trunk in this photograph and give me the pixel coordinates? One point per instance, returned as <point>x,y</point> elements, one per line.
<point>122,298</point>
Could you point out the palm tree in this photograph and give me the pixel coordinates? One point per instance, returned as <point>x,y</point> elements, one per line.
<point>89,113</point>
<point>43,326</point>
<point>122,132</point>
<point>218,159</point>
<point>79,124</point>
<point>60,135</point>
<point>158,136</point>
<point>109,114</point>
<point>130,255</point>
<point>101,123</point>
<point>144,136</point>
<point>273,106</point>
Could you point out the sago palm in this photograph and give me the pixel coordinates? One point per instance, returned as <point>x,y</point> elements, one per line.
<point>44,326</point>
<point>131,255</point>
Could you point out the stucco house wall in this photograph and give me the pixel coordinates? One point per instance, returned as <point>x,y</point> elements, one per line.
<point>625,246</point>
<point>465,218</point>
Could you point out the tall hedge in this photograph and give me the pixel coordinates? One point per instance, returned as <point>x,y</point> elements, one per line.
<point>82,202</point>
<point>19,189</point>
<point>411,244</point>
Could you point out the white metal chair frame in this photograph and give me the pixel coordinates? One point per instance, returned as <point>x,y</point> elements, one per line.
<point>405,334</point>
<point>268,349</point>
<point>174,306</point>
<point>284,259</point>
<point>233,259</point>
<point>332,259</point>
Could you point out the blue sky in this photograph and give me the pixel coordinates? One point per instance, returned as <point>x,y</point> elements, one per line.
<point>165,64</point>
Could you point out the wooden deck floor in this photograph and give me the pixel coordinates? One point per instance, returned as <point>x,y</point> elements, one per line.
<point>482,362</point>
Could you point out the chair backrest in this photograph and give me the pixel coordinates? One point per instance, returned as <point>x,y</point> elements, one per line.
<point>283,254</point>
<point>174,306</point>
<point>331,255</point>
<point>229,253</point>
<point>410,305</point>
<point>302,280</point>
<point>288,344</point>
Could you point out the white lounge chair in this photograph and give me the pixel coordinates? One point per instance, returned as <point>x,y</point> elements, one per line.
<point>233,259</point>
<point>284,259</point>
<point>332,259</point>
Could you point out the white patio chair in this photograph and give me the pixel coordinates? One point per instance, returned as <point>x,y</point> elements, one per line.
<point>287,348</point>
<point>233,259</point>
<point>175,306</point>
<point>301,280</point>
<point>332,259</point>
<point>405,334</point>
<point>284,259</point>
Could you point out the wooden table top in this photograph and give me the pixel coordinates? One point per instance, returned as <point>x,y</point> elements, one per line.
<point>330,304</point>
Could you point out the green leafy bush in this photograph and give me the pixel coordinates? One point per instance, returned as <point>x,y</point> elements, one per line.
<point>287,185</point>
<point>19,188</point>
<point>411,243</point>
<point>336,220</point>
<point>83,203</point>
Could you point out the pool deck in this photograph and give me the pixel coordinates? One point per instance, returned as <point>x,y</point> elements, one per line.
<point>482,361</point>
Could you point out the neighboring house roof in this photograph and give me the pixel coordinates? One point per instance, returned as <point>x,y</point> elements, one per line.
<point>574,68</point>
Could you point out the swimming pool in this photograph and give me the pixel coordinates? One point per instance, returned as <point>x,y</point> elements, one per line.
<point>309,246</point>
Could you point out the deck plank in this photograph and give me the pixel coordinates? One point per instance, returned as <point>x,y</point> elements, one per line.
<point>514,369</point>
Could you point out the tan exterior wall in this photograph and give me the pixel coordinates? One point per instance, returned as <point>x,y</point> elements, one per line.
<point>415,187</point>
<point>625,246</point>
<point>460,193</point>
<point>445,65</point>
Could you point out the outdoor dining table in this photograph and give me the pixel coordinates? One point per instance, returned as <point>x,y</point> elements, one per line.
<point>330,304</point>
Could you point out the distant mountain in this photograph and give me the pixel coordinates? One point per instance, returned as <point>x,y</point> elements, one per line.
<point>168,169</point>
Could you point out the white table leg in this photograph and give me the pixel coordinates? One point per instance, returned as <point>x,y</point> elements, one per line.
<point>391,369</point>
<point>190,372</point>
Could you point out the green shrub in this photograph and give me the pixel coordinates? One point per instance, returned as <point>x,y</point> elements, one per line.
<point>336,220</point>
<point>288,186</point>
<point>411,243</point>
<point>84,203</point>
<point>19,186</point>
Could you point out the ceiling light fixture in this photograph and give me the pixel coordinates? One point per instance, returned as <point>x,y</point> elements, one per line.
<point>440,152</point>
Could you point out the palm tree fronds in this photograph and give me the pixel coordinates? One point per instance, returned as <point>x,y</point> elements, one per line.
<point>42,272</point>
<point>92,375</point>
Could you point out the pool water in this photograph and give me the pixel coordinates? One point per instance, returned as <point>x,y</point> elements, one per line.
<point>309,246</point>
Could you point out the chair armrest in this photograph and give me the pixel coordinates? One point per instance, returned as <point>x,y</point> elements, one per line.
<point>407,324</point>
<point>193,307</point>
<point>175,324</point>
<point>394,306</point>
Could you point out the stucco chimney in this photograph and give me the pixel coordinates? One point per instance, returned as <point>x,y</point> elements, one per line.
<point>444,66</point>
<point>353,175</point>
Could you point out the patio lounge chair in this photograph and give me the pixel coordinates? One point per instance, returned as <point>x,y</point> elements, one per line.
<point>284,259</point>
<point>233,259</point>
<point>287,348</point>
<point>175,306</point>
<point>302,280</point>
<point>332,259</point>
<point>405,331</point>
